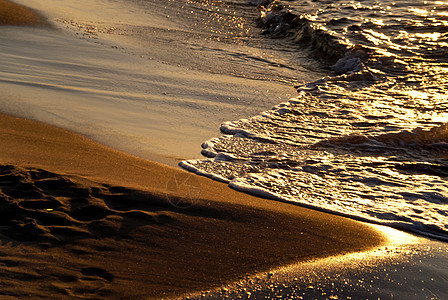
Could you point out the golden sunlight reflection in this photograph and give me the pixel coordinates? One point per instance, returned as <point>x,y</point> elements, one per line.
<point>430,36</point>
<point>380,118</point>
<point>376,38</point>
<point>419,12</point>
<point>397,244</point>
<point>396,237</point>
<point>378,22</point>
<point>418,94</point>
<point>385,53</point>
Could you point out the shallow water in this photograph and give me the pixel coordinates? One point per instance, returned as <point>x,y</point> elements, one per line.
<point>370,141</point>
<point>153,78</point>
<point>365,137</point>
<point>127,74</point>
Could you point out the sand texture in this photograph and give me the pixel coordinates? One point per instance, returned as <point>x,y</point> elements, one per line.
<point>16,14</point>
<point>79,219</point>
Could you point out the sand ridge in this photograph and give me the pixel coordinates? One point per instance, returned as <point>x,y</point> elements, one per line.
<point>81,219</point>
<point>16,14</point>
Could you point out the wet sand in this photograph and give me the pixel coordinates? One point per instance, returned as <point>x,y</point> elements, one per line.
<point>81,219</point>
<point>113,89</point>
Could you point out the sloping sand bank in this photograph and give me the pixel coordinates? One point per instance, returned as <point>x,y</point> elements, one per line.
<point>80,219</point>
<point>16,14</point>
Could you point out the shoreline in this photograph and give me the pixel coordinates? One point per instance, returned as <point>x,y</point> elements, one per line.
<point>138,118</point>
<point>182,238</point>
<point>80,219</point>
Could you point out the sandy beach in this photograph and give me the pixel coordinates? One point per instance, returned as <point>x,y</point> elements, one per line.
<point>83,220</point>
<point>80,219</point>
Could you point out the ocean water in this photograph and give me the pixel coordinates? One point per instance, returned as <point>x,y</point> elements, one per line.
<point>363,134</point>
<point>370,139</point>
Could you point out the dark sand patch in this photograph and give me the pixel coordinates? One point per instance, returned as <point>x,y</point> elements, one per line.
<point>80,219</point>
<point>16,14</point>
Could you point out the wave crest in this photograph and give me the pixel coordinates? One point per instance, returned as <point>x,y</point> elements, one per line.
<point>419,137</point>
<point>279,22</point>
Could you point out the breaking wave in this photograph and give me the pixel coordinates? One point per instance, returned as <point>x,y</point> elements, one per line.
<point>369,142</point>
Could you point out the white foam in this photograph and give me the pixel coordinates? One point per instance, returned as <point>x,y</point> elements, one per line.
<point>187,165</point>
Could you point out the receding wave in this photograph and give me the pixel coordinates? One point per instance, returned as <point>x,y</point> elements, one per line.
<point>369,142</point>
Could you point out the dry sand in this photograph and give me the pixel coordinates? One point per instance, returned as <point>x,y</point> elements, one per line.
<point>16,14</point>
<point>81,219</point>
